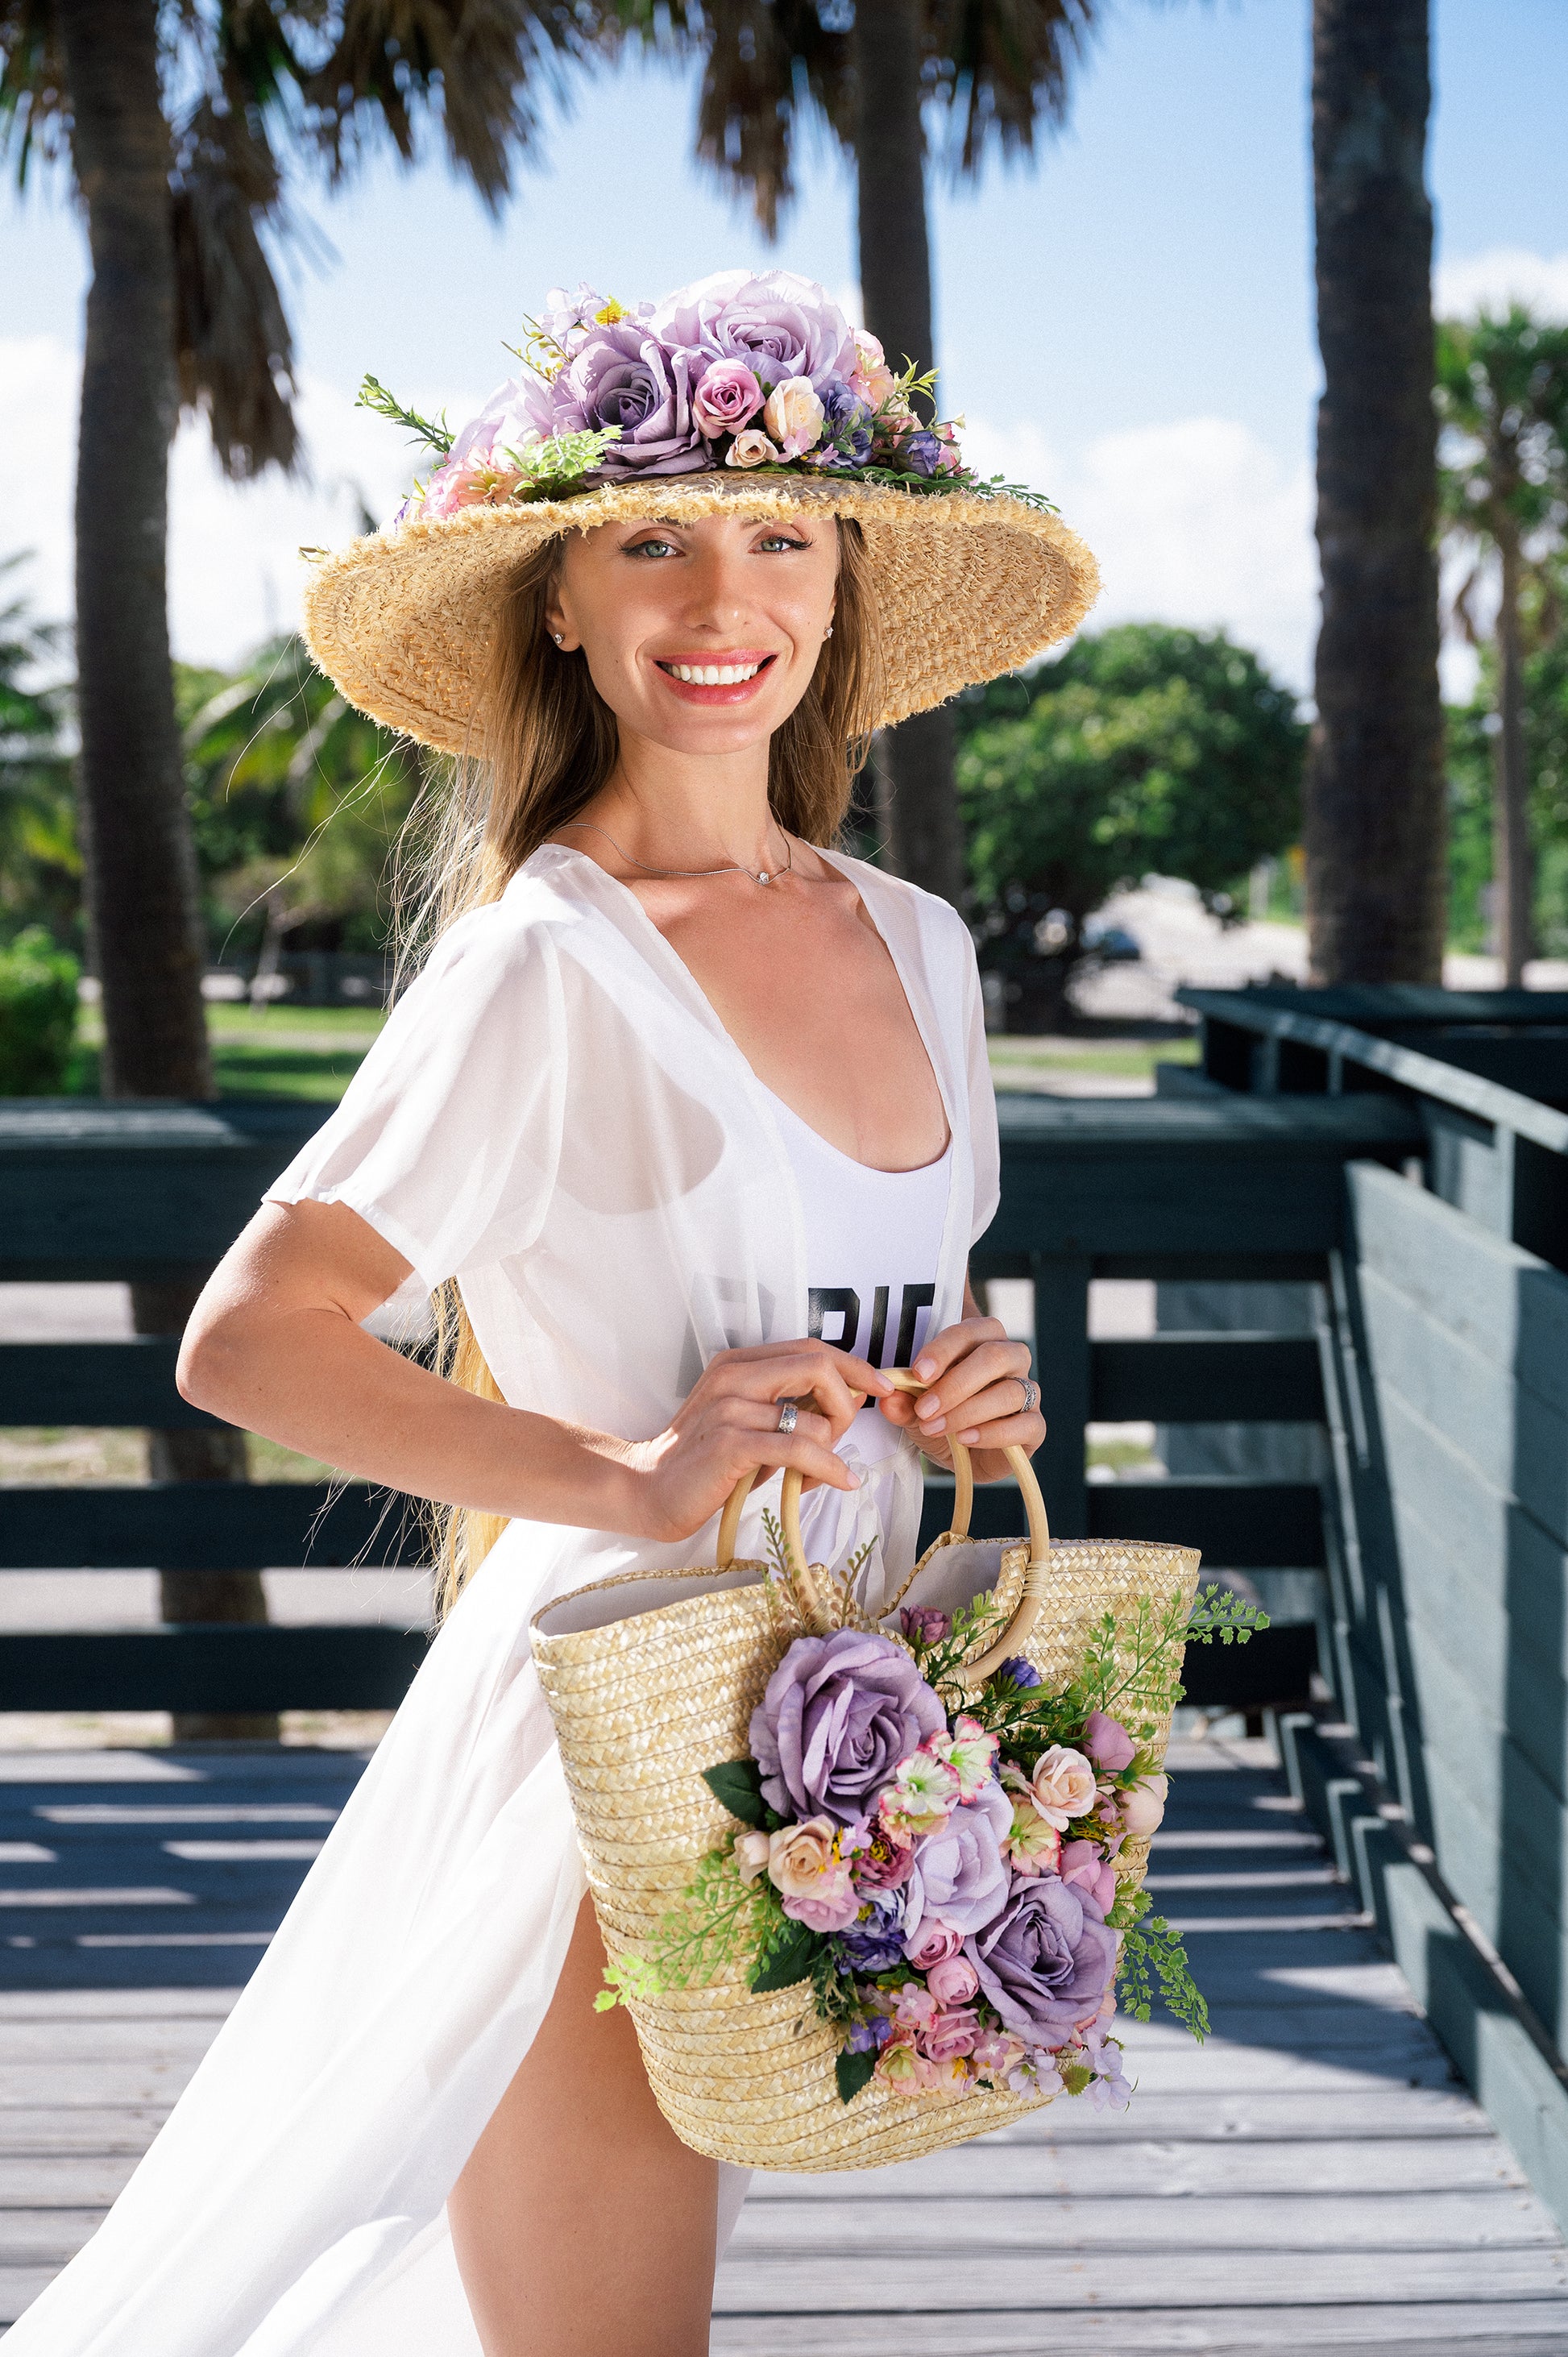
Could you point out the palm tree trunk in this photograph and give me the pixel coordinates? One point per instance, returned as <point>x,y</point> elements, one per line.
<point>1375,818</point>
<point>925,839</point>
<point>143,909</point>
<point>1511,862</point>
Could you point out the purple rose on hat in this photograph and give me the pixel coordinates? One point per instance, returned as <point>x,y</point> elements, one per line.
<point>1045,1960</point>
<point>838,1716</point>
<point>516,412</point>
<point>960,1875</point>
<point>920,453</point>
<point>621,377</point>
<point>847,426</point>
<point>779,324</point>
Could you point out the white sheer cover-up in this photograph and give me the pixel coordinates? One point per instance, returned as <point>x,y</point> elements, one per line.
<point>554,1115</point>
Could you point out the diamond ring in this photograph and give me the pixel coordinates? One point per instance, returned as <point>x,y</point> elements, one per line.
<point>788,1416</point>
<point>1031,1395</point>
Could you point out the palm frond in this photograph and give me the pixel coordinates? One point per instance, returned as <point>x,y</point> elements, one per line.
<point>1003,67</point>
<point>234,347</point>
<point>768,66</point>
<point>35,108</point>
<point>471,67</point>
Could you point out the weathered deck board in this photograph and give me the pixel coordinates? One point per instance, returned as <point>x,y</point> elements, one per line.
<point>1314,2181</point>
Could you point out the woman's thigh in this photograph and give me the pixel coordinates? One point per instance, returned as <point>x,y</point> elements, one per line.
<point>583,2226</point>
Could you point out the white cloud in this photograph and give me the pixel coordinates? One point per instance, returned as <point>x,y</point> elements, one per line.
<point>1196,522</point>
<point>234,565</point>
<point>1501,276</point>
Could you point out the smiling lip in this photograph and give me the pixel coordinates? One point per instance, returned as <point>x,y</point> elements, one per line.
<point>733,677</point>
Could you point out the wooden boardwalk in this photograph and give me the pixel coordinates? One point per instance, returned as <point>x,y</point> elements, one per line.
<point>1315,2179</point>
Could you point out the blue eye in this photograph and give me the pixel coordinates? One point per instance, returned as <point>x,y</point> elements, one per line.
<point>781,540</point>
<point>652,548</point>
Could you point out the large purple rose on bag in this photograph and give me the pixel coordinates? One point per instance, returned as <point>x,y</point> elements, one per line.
<point>839,1714</point>
<point>622,377</point>
<point>960,1877</point>
<point>1045,1960</point>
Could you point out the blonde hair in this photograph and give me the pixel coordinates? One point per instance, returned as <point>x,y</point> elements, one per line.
<point>549,743</point>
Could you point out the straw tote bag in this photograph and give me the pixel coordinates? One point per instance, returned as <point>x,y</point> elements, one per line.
<point>652,1677</point>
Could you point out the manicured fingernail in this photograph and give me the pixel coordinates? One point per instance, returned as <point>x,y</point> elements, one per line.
<point>968,1439</point>
<point>936,1424</point>
<point>925,1369</point>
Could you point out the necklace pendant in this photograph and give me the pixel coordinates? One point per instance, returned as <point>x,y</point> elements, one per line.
<point>764,878</point>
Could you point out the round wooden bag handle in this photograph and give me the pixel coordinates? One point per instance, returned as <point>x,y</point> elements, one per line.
<point>1036,1572</point>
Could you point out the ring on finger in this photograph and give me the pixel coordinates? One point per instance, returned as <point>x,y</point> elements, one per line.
<point>1031,1395</point>
<point>788,1416</point>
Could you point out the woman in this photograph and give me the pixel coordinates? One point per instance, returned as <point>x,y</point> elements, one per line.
<point>687,1124</point>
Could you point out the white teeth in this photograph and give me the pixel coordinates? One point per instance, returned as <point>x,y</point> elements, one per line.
<point>714,675</point>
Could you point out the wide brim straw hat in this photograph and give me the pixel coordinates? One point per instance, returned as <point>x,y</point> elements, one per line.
<point>970,582</point>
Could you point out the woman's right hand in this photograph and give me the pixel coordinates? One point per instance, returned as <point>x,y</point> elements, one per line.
<point>728,1426</point>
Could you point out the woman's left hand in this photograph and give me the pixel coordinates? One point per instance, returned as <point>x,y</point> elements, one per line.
<point>976,1394</point>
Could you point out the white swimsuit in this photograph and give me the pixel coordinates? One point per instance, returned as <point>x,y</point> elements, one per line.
<point>874,1240</point>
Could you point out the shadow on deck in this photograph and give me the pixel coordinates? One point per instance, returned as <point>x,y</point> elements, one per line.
<point>1314,2180</point>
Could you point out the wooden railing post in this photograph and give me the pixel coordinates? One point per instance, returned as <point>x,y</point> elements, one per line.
<point>1062,1371</point>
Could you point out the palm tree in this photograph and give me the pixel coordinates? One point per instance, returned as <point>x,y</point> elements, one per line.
<point>1502,399</point>
<point>1375,805</point>
<point>172,115</point>
<point>998,68</point>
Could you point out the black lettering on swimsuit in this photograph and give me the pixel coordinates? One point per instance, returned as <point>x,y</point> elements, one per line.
<point>915,1298</point>
<point>878,1326</point>
<point>824,1301</point>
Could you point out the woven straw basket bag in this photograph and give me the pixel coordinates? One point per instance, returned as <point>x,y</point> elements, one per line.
<point>654,1677</point>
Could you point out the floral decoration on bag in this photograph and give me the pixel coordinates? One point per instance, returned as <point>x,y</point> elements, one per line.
<point>939,1864</point>
<point>756,374</point>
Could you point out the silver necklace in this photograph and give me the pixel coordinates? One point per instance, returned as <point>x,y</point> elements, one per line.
<point>757,875</point>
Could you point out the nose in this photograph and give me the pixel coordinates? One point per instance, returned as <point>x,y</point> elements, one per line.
<point>716,598</point>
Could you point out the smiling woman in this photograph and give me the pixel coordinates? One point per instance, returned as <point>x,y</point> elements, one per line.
<point>687,1125</point>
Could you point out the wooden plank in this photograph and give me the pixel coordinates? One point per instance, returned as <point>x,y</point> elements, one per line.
<point>99,1383</point>
<point>1062,1365</point>
<point>1240,1525</point>
<point>1406,1067</point>
<point>92,1191</point>
<point>1524,2326</point>
<point>898,2225</point>
<point>1502,1302</point>
<point>202,1527</point>
<point>211,1667</point>
<point>988,2171</point>
<point>1207,1379</point>
<point>88,2130</point>
<point>925,2281</point>
<point>1516,1442</point>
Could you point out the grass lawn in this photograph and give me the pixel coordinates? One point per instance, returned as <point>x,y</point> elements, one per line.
<point>312,1052</point>
<point>1013,1061</point>
<point>276,1052</point>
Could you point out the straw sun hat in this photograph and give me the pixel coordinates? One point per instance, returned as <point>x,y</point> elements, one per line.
<point>738,391</point>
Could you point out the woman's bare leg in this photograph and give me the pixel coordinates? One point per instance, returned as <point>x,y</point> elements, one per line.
<point>583,2226</point>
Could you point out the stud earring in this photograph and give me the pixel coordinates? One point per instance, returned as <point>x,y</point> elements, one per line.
<point>829,631</point>
<point>558,636</point>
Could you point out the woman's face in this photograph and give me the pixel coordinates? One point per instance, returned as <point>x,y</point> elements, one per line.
<point>659,609</point>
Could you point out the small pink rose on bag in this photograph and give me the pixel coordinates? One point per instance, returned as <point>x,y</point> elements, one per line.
<point>1144,1806</point>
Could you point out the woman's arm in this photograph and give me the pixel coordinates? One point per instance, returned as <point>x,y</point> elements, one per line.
<point>276,1345</point>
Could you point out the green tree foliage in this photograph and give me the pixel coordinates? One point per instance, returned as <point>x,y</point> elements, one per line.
<point>1144,749</point>
<point>295,798</point>
<point>1502,401</point>
<point>1472,776</point>
<point>40,864</point>
<point>37,1015</point>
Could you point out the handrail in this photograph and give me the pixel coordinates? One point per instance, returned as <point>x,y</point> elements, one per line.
<point>1468,1093</point>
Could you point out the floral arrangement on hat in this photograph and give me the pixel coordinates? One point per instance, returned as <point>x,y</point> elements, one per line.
<point>937,1862</point>
<point>754,374</point>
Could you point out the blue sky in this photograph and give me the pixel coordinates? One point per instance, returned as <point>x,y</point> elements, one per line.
<point>1128,324</point>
